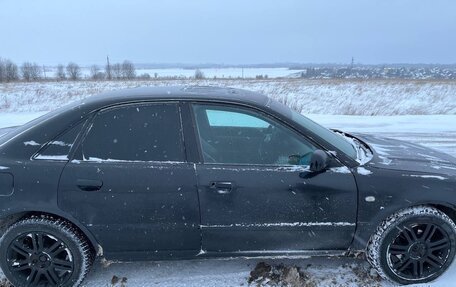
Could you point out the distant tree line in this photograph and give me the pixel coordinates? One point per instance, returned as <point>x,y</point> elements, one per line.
<point>10,72</point>
<point>28,72</point>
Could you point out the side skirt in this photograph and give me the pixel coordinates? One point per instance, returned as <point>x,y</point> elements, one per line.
<point>265,254</point>
<point>201,254</point>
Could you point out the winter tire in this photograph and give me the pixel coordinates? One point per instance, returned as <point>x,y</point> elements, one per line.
<point>415,245</point>
<point>44,252</point>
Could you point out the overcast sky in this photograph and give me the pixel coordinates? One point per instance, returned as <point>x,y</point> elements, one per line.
<point>229,31</point>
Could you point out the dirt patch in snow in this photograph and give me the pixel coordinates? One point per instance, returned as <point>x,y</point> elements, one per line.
<point>280,275</point>
<point>265,274</point>
<point>118,281</point>
<point>5,283</point>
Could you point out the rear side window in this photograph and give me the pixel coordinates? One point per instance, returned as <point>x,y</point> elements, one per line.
<point>59,148</point>
<point>136,133</point>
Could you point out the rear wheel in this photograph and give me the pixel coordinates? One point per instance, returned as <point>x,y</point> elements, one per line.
<point>44,252</point>
<point>415,245</point>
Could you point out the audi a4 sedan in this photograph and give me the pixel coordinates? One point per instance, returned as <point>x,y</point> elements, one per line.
<point>204,172</point>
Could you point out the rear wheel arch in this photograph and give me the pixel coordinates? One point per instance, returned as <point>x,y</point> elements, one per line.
<point>81,229</point>
<point>44,249</point>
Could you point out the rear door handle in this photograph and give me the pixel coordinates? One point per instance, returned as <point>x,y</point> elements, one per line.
<point>222,187</point>
<point>89,184</point>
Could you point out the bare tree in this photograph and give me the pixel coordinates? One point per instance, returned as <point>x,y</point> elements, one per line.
<point>95,73</point>
<point>128,70</point>
<point>30,72</point>
<point>60,73</point>
<point>12,72</point>
<point>116,71</point>
<point>144,76</point>
<point>35,72</point>
<point>2,70</point>
<point>199,74</point>
<point>73,71</point>
<point>26,71</point>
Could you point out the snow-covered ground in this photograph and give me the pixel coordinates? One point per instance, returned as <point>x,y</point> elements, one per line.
<point>436,131</point>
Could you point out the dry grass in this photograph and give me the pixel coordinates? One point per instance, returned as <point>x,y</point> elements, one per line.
<point>320,96</point>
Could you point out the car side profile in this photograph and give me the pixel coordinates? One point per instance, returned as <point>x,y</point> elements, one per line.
<point>204,172</point>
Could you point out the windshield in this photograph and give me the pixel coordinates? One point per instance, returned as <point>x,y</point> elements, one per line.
<point>329,136</point>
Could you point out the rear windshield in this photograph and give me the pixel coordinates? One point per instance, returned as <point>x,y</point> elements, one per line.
<point>19,130</point>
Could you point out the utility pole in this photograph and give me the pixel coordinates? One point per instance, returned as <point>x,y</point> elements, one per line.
<point>108,69</point>
<point>352,63</point>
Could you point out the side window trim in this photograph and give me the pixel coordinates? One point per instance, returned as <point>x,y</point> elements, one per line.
<point>78,143</point>
<point>74,145</point>
<point>77,155</point>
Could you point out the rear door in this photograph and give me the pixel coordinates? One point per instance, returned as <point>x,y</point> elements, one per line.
<point>256,192</point>
<point>130,183</point>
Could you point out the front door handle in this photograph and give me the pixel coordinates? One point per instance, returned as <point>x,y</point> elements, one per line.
<point>89,184</point>
<point>222,187</point>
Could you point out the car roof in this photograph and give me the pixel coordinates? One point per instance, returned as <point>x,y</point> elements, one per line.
<point>177,93</point>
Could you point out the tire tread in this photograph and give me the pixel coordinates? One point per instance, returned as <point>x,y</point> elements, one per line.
<point>374,245</point>
<point>67,229</point>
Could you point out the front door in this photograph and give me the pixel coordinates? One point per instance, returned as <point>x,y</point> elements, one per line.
<point>256,192</point>
<point>130,184</point>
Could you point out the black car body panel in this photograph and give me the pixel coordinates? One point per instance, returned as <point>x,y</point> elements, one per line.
<point>276,209</point>
<point>405,174</point>
<point>4,131</point>
<point>137,200</point>
<point>401,155</point>
<point>142,210</point>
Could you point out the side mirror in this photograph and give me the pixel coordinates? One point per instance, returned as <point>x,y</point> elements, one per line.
<point>319,161</point>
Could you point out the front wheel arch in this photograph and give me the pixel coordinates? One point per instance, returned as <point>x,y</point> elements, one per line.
<point>363,235</point>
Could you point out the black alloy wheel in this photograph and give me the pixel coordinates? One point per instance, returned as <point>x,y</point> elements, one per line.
<point>39,258</point>
<point>414,245</point>
<point>42,251</point>
<point>419,251</point>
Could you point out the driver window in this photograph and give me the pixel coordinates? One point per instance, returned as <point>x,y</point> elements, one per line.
<point>234,135</point>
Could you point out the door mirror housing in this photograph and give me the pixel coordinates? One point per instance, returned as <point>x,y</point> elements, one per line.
<point>319,161</point>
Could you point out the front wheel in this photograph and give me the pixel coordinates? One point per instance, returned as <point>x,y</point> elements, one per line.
<point>415,245</point>
<point>44,252</point>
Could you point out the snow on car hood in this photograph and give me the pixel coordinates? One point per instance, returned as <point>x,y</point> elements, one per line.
<point>401,155</point>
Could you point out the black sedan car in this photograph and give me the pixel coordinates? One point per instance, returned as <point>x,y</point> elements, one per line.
<point>203,172</point>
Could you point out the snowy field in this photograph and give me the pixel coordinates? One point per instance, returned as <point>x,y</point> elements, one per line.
<point>423,112</point>
<point>189,73</point>
<point>335,97</point>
